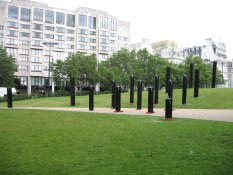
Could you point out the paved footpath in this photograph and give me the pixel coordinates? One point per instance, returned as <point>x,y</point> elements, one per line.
<point>204,114</point>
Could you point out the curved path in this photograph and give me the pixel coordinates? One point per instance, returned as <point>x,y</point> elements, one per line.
<point>204,114</point>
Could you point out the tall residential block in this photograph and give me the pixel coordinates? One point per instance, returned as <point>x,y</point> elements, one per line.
<point>36,35</point>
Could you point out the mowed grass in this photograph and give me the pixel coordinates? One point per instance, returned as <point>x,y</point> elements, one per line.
<point>63,143</point>
<point>208,99</point>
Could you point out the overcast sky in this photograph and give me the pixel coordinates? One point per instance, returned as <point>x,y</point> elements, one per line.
<point>188,22</point>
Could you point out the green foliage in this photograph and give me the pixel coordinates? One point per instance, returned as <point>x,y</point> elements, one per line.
<point>7,69</point>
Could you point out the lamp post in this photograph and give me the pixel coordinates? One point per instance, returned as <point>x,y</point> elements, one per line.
<point>50,44</point>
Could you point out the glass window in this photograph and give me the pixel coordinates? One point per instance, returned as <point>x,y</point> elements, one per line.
<point>50,28</point>
<point>92,22</point>
<point>104,22</point>
<point>60,18</point>
<point>36,51</point>
<point>49,16</point>
<point>82,47</point>
<point>104,41</point>
<point>11,41</point>
<point>23,59</point>
<point>82,20</point>
<point>70,20</point>
<point>25,26</point>
<point>113,24</point>
<point>82,39</point>
<point>23,67</point>
<point>60,46</point>
<point>1,35</point>
<point>92,47</point>
<point>60,29</point>
<point>11,24</point>
<point>38,14</point>
<point>60,37</point>
<point>24,34</point>
<point>92,33</point>
<point>51,36</point>
<point>36,60</point>
<point>38,43</point>
<point>23,51</point>
<point>13,12</point>
<point>37,35</point>
<point>25,14</point>
<point>1,27</point>
<point>104,33</point>
<point>12,33</point>
<point>24,43</point>
<point>37,26</point>
<point>11,51</point>
<point>69,38</point>
<point>36,68</point>
<point>104,48</point>
<point>70,31</point>
<point>92,40</point>
<point>82,31</point>
<point>69,46</point>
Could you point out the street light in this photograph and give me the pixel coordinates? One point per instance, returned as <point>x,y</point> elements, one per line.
<point>50,44</point>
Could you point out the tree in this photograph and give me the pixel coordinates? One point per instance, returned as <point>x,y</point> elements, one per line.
<point>7,69</point>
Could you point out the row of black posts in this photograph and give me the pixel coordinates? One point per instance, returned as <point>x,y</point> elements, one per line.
<point>116,91</point>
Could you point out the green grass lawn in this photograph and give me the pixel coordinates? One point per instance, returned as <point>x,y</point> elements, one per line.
<point>68,143</point>
<point>208,99</point>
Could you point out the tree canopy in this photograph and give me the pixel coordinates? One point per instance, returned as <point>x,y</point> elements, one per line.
<point>7,69</point>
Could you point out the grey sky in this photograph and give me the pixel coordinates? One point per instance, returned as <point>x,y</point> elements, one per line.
<point>188,22</point>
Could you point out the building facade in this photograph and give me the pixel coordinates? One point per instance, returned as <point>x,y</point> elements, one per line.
<point>36,35</point>
<point>230,74</point>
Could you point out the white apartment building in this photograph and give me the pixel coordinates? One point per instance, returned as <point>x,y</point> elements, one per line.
<point>37,35</point>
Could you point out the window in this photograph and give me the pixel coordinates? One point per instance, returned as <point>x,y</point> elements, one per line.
<point>23,51</point>
<point>60,29</point>
<point>50,28</point>
<point>112,49</point>
<point>38,43</point>
<point>70,31</point>
<point>1,27</point>
<point>112,42</point>
<point>125,39</point>
<point>46,68</point>
<point>92,33</point>
<point>37,35</point>
<point>36,68</point>
<point>1,35</point>
<point>104,48</point>
<point>25,14</point>
<point>36,60</point>
<point>49,17</point>
<point>82,31</point>
<point>70,38</point>
<point>13,12</point>
<point>104,33</point>
<point>46,60</point>
<point>92,22</point>
<point>37,81</point>
<point>70,20</point>
<point>104,41</point>
<point>60,18</point>
<point>92,40</point>
<point>24,34</point>
<point>82,20</point>
<point>11,24</point>
<point>23,59</point>
<point>92,47</point>
<point>50,36</point>
<point>60,37</point>
<point>38,14</point>
<point>23,67</point>
<point>113,24</point>
<point>59,54</point>
<point>24,43</point>
<point>113,34</point>
<point>12,33</point>
<point>25,26</point>
<point>119,38</point>
<point>82,47</point>
<point>60,46</point>
<point>104,22</point>
<point>37,26</point>
<point>82,39</point>
<point>11,51</point>
<point>11,41</point>
<point>36,51</point>
<point>103,56</point>
<point>69,46</point>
